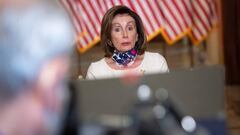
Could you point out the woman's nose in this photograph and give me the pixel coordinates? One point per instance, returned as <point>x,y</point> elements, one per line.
<point>125,34</point>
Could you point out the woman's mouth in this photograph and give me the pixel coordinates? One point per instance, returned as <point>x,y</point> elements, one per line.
<point>126,43</point>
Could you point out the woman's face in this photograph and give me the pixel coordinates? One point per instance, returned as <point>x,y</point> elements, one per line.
<point>123,32</point>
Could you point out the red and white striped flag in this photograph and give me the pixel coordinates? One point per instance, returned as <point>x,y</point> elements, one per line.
<point>171,18</point>
<point>177,19</point>
<point>87,16</point>
<point>86,19</point>
<point>204,18</point>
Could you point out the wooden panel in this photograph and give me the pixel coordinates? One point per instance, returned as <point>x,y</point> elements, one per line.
<point>232,96</point>
<point>231,39</point>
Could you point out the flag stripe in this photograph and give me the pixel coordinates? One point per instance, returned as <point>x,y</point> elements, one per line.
<point>199,16</point>
<point>206,11</point>
<point>213,6</point>
<point>185,9</point>
<point>172,18</point>
<point>67,7</point>
<point>103,5</point>
<point>121,2</point>
<point>168,30</point>
<point>169,20</point>
<point>158,17</point>
<point>85,7</point>
<point>78,18</point>
<point>100,7</point>
<point>132,4</point>
<point>95,10</point>
<point>180,10</point>
<point>116,2</point>
<point>145,6</point>
<point>187,6</point>
<point>175,13</point>
<point>88,24</point>
<point>74,14</point>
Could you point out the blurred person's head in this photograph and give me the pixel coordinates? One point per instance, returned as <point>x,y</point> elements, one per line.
<point>36,38</point>
<point>122,29</point>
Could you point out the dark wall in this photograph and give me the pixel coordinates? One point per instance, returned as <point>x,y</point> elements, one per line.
<point>231,40</point>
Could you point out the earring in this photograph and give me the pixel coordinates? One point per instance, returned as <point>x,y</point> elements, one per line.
<point>109,42</point>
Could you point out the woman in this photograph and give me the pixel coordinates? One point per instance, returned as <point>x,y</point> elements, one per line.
<point>123,39</point>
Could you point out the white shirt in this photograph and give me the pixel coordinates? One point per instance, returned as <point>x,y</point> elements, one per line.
<point>151,63</point>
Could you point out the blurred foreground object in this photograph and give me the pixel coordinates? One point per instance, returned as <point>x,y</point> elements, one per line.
<point>36,38</point>
<point>183,102</point>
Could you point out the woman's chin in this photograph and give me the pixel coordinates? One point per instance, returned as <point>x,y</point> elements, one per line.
<point>124,49</point>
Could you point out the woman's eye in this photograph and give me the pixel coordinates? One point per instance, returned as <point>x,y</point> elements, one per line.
<point>130,28</point>
<point>116,29</point>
